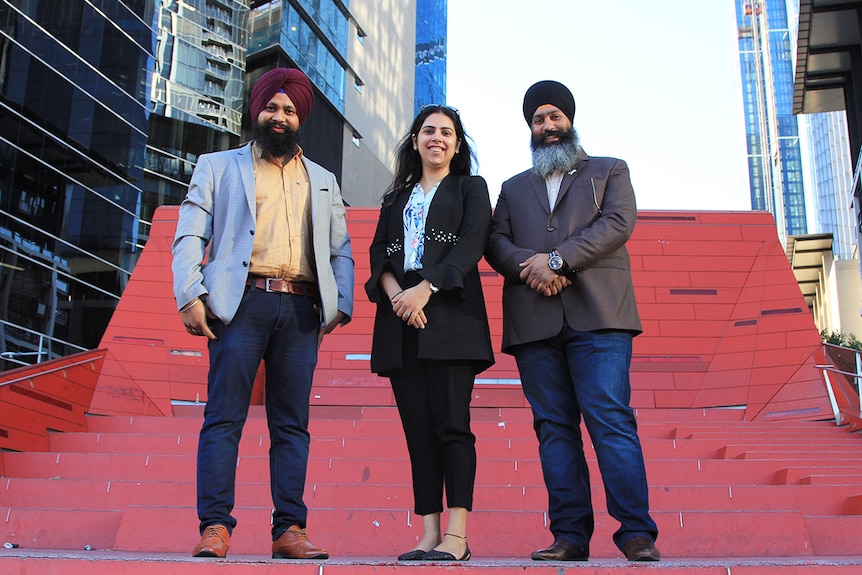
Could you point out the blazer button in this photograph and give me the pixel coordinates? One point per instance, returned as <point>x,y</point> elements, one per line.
<point>245,264</point>
<point>251,232</point>
<point>551,228</point>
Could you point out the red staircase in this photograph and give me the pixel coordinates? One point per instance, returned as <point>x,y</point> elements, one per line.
<point>748,473</point>
<point>723,492</point>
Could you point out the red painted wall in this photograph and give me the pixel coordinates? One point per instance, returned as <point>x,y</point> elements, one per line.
<point>725,324</point>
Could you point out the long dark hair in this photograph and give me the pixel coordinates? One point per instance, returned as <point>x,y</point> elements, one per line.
<point>408,163</point>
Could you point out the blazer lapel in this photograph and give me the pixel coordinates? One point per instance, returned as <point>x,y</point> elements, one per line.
<point>313,188</point>
<point>572,175</point>
<point>245,160</point>
<point>540,188</point>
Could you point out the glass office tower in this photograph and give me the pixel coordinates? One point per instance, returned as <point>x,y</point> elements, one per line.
<point>106,105</point>
<point>431,30</point>
<point>311,35</point>
<point>196,93</point>
<point>74,107</point>
<point>772,131</point>
<point>832,172</point>
<point>360,57</point>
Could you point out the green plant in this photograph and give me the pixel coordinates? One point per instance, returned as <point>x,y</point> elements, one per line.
<point>843,339</point>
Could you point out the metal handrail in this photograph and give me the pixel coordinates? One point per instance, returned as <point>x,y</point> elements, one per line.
<point>43,349</point>
<point>826,369</point>
<point>31,375</point>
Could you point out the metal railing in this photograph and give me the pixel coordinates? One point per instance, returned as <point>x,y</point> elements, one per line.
<point>40,345</point>
<point>843,379</point>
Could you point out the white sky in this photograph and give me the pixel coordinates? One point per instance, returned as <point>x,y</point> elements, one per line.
<point>656,83</point>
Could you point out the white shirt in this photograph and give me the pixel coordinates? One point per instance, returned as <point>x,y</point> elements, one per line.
<point>552,184</point>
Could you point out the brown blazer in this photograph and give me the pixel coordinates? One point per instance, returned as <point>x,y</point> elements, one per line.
<point>592,221</point>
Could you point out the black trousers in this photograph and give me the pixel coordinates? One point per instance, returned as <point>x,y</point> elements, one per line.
<point>433,398</point>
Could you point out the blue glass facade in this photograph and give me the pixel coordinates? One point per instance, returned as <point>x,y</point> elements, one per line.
<point>197,94</point>
<point>74,109</point>
<point>105,107</point>
<point>772,131</point>
<point>832,170</point>
<point>431,30</point>
<point>313,33</point>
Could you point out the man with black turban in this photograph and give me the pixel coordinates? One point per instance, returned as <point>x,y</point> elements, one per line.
<point>263,269</point>
<point>558,238</point>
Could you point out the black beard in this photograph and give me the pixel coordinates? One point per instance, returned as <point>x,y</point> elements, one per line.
<point>273,144</point>
<point>559,156</point>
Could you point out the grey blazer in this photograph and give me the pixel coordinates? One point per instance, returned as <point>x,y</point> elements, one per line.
<point>219,213</point>
<point>593,218</point>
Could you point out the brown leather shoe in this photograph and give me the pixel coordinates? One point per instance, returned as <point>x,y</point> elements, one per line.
<point>294,544</point>
<point>561,551</point>
<point>641,549</point>
<point>215,542</point>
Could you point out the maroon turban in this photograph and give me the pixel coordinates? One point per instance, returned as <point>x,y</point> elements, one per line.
<point>288,80</point>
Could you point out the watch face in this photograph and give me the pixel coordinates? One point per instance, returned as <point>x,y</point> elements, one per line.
<point>555,262</point>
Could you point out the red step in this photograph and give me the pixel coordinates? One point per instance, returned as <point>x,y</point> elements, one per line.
<point>38,562</point>
<point>374,532</point>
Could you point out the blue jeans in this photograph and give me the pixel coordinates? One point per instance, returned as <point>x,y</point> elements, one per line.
<point>586,374</point>
<point>281,330</point>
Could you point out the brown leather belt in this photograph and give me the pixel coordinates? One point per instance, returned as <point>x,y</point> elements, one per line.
<point>284,286</point>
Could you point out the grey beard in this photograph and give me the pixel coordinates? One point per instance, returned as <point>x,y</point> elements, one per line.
<point>558,157</point>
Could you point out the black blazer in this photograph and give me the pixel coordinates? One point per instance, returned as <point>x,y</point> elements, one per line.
<point>456,233</point>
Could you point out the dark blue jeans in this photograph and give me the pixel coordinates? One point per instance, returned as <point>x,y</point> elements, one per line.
<point>281,330</point>
<point>586,374</point>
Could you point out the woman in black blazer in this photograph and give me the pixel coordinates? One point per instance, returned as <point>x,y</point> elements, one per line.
<point>431,333</point>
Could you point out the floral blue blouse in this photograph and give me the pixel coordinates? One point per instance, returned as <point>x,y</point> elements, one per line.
<point>415,215</point>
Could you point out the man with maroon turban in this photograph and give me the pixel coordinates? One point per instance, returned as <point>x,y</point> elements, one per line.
<point>263,269</point>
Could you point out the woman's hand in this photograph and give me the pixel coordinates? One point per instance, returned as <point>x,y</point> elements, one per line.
<point>409,304</point>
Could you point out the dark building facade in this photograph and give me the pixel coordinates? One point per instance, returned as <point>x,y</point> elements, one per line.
<point>106,105</point>
<point>829,74</point>
<point>74,110</point>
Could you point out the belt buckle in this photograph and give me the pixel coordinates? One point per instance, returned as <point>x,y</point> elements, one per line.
<point>266,284</point>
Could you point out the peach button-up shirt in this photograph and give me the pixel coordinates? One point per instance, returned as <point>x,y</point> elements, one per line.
<point>282,240</point>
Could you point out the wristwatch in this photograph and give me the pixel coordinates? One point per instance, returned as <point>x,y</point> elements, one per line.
<point>555,262</point>
<point>434,289</point>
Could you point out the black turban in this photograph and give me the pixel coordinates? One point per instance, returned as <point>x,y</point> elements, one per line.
<point>548,92</point>
<point>292,82</point>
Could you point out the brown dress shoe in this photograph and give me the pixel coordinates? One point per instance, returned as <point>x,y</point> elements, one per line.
<point>561,551</point>
<point>641,549</point>
<point>215,542</point>
<point>294,544</point>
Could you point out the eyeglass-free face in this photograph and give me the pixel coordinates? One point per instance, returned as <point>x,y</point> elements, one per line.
<point>437,141</point>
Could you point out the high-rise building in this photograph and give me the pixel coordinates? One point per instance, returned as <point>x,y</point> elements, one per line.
<point>107,104</point>
<point>831,168</point>
<point>196,93</point>
<point>832,180</point>
<point>74,93</point>
<point>360,58</point>
<point>431,34</point>
<point>772,131</point>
